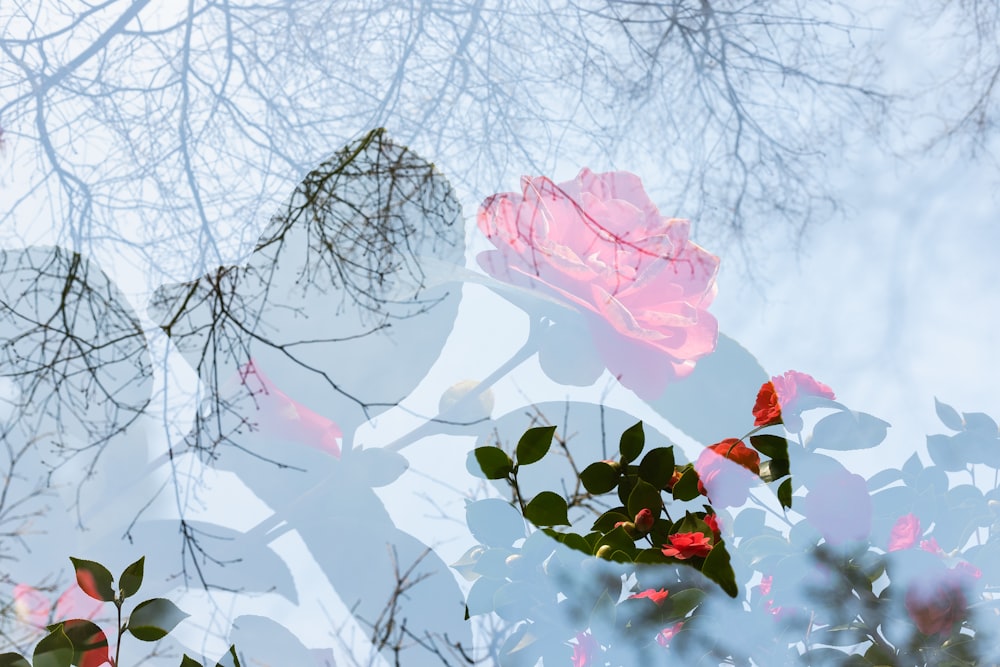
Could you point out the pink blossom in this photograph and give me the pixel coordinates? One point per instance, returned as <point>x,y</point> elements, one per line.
<point>666,634</point>
<point>931,546</point>
<point>905,533</point>
<point>279,416</point>
<point>599,244</point>
<point>584,649</point>
<point>34,607</point>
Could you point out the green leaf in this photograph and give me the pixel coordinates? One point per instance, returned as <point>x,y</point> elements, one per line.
<point>948,415</point>
<point>847,430</point>
<point>547,509</point>
<point>644,496</point>
<point>480,600</point>
<point>657,466</point>
<point>772,446</point>
<point>378,466</point>
<point>87,638</point>
<point>494,522</point>
<point>773,470</point>
<point>153,619</point>
<point>231,653</point>
<point>54,650</point>
<point>131,579</point>
<point>466,565</point>
<point>13,660</point>
<point>534,444</point>
<point>618,540</point>
<point>652,556</point>
<point>686,487</point>
<point>785,493</point>
<point>606,522</point>
<point>684,601</point>
<point>189,662</point>
<point>944,453</point>
<point>631,443</point>
<point>95,579</point>
<point>492,462</point>
<point>600,477</point>
<point>578,542</point>
<point>604,611</point>
<point>719,569</point>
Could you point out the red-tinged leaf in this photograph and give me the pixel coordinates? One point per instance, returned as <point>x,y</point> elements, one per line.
<point>95,579</point>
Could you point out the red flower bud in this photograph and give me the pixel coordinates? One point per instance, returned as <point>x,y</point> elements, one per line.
<point>644,520</point>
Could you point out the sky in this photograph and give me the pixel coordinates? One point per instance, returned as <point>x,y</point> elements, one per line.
<point>891,302</point>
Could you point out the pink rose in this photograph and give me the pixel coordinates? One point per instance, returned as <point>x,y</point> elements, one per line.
<point>279,416</point>
<point>599,244</point>
<point>656,596</point>
<point>779,401</point>
<point>687,545</point>
<point>839,507</point>
<point>905,533</point>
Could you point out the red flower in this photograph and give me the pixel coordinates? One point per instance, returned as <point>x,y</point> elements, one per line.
<point>935,604</point>
<point>584,649</point>
<point>778,400</point>
<point>666,634</point>
<point>724,483</point>
<point>905,533</point>
<point>656,596</point>
<point>767,410</point>
<point>644,520</point>
<point>712,521</point>
<point>685,545</point>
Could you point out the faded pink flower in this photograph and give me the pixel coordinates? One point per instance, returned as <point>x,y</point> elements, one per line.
<point>666,634</point>
<point>33,607</point>
<point>931,546</point>
<point>936,603</point>
<point>584,649</point>
<point>281,417</point>
<point>599,244</point>
<point>905,533</point>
